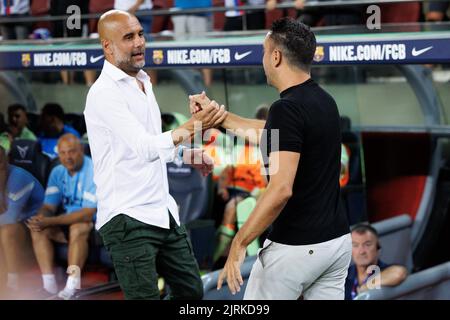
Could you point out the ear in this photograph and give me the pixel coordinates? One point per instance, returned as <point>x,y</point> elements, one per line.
<point>107,46</point>
<point>276,58</point>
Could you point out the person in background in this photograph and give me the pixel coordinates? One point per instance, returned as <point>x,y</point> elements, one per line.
<point>14,9</point>
<point>70,185</point>
<point>136,7</point>
<point>60,28</point>
<point>185,25</point>
<point>21,196</point>
<point>437,11</point>
<point>5,136</point>
<point>18,121</point>
<point>365,254</point>
<point>52,128</point>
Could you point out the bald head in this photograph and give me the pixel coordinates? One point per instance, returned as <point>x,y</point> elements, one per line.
<point>110,21</point>
<point>123,42</point>
<point>70,139</point>
<point>70,152</point>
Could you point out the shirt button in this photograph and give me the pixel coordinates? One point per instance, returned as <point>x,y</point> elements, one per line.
<point>127,259</point>
<point>311,252</point>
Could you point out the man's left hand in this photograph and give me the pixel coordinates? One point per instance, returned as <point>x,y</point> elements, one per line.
<point>198,159</point>
<point>231,271</point>
<point>38,223</point>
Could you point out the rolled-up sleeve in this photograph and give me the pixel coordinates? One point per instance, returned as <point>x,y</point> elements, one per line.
<point>113,112</point>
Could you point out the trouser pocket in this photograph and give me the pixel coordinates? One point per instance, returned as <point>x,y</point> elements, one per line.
<point>136,271</point>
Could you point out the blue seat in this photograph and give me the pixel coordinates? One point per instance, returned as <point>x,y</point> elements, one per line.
<point>395,240</point>
<point>28,155</point>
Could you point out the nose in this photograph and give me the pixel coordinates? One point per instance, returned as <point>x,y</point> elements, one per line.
<point>139,42</point>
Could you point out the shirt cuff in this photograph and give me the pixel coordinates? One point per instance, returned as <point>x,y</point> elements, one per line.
<point>166,150</point>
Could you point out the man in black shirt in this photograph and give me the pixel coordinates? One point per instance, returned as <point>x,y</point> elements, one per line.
<point>308,250</point>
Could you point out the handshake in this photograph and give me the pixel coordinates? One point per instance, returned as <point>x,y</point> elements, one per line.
<point>209,113</point>
<point>205,114</point>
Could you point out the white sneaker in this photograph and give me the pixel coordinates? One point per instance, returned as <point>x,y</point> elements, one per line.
<point>67,294</point>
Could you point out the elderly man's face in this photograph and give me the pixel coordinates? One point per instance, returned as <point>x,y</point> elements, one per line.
<point>128,45</point>
<point>364,249</point>
<point>70,154</point>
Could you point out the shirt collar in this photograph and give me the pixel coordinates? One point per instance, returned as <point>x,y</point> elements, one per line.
<point>117,74</point>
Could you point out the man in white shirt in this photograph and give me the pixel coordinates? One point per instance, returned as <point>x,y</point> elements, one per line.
<point>136,216</point>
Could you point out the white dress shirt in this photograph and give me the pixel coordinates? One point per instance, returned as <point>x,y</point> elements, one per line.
<point>128,149</point>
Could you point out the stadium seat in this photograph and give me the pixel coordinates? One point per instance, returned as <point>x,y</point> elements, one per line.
<point>98,6</point>
<point>210,291</point>
<point>28,155</point>
<point>40,8</point>
<point>189,189</point>
<point>395,240</point>
<point>429,284</point>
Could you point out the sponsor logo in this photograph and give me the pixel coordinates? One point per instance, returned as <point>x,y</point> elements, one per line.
<point>239,56</point>
<point>368,52</point>
<point>22,151</point>
<point>158,56</point>
<point>26,59</point>
<point>416,53</point>
<point>198,56</point>
<point>319,54</point>
<point>60,59</point>
<point>95,59</point>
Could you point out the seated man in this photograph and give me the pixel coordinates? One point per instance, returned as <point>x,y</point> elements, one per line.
<point>52,128</point>
<point>21,196</point>
<point>365,253</point>
<point>18,121</point>
<point>70,185</point>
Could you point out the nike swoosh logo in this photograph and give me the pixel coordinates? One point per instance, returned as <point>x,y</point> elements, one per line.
<point>95,59</point>
<point>239,56</point>
<point>416,53</point>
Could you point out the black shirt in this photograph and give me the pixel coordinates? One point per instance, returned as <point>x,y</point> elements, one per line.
<point>309,123</point>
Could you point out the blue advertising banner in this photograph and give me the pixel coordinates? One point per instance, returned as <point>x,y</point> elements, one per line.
<point>398,48</point>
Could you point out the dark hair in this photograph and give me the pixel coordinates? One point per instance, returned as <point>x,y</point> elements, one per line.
<point>296,41</point>
<point>53,109</point>
<point>16,106</point>
<point>262,112</point>
<point>362,228</point>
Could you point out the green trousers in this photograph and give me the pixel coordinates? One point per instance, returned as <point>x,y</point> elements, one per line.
<point>140,252</point>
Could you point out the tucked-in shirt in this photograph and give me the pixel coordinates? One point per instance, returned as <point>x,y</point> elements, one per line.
<point>128,149</point>
<point>24,196</point>
<point>127,4</point>
<point>50,144</point>
<point>72,192</point>
<point>351,282</point>
<point>8,7</point>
